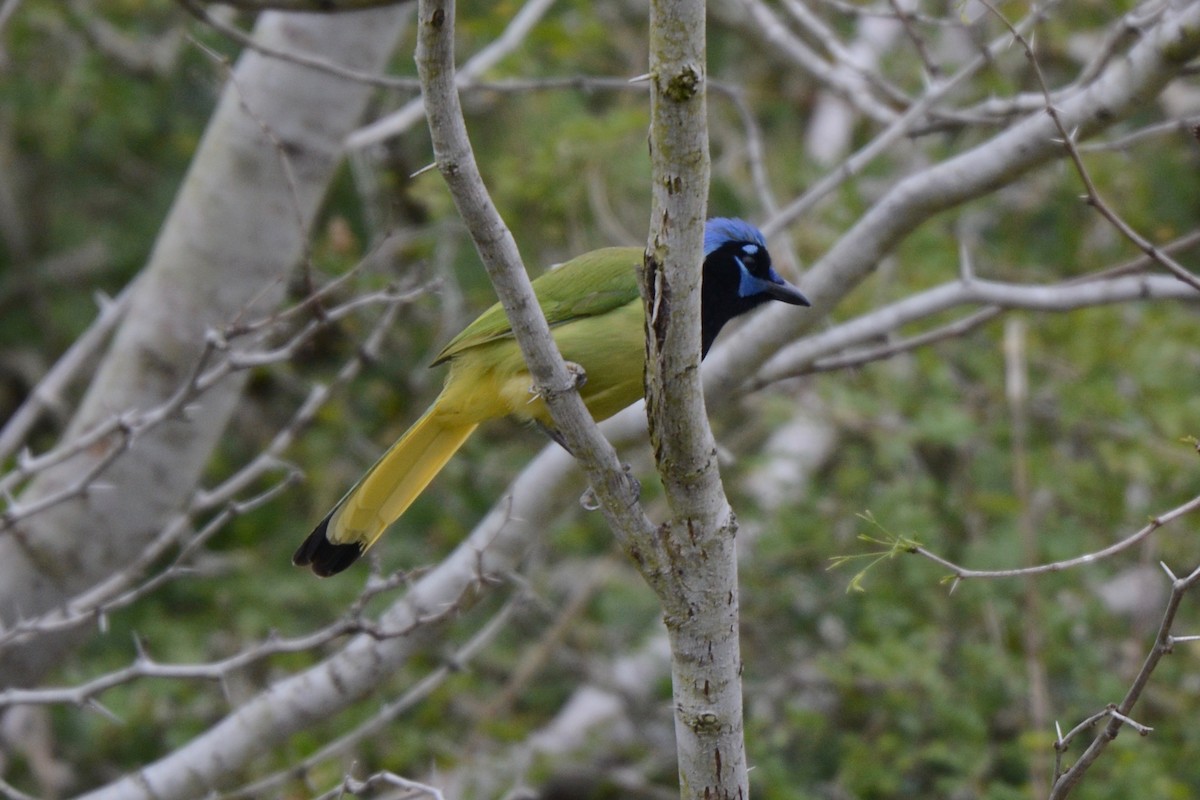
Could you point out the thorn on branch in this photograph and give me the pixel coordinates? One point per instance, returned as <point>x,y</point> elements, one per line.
<point>95,705</point>
<point>432,165</point>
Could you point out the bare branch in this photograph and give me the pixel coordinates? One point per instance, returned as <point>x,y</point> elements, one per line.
<point>295,702</point>
<point>1093,194</point>
<point>898,127</point>
<point>235,34</point>
<point>1118,715</point>
<point>48,392</point>
<point>846,344</point>
<point>411,113</point>
<point>310,6</point>
<point>126,586</point>
<point>216,363</point>
<point>391,710</point>
<point>1150,63</point>
<point>766,27</point>
<point>368,787</point>
<point>959,573</point>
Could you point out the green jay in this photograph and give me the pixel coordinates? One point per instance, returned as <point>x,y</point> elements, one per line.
<point>596,318</point>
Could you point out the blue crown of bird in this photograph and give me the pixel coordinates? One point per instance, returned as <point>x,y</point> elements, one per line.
<point>596,318</point>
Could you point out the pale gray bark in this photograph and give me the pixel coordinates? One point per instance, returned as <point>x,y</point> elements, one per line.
<point>413,112</point>
<point>238,226</point>
<point>409,627</point>
<point>698,587</point>
<point>865,332</point>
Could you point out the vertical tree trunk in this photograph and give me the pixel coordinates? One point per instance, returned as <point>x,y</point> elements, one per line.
<point>699,592</point>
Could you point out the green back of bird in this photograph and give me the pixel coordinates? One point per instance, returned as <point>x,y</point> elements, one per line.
<point>589,285</point>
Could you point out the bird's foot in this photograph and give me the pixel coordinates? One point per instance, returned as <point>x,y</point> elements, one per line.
<point>577,374</point>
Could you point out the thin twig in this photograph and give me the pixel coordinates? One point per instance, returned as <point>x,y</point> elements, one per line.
<point>1119,714</point>
<point>144,666</point>
<point>1092,196</point>
<point>392,710</point>
<point>49,389</point>
<point>849,344</point>
<point>200,12</point>
<point>960,573</point>
<point>411,113</point>
<point>898,127</point>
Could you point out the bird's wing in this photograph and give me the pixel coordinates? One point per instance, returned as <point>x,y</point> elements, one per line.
<point>587,285</point>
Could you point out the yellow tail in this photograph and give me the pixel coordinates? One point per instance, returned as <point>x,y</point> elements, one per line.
<point>383,494</point>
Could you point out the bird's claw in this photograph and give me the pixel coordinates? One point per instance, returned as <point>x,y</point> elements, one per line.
<point>577,374</point>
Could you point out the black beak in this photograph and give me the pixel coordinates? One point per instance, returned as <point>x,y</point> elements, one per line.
<point>786,293</point>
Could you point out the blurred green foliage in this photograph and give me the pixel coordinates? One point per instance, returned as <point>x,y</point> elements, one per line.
<point>902,690</point>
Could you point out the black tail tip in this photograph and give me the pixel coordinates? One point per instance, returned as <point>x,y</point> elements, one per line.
<point>323,556</point>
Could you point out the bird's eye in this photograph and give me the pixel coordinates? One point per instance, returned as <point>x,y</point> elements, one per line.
<point>754,259</point>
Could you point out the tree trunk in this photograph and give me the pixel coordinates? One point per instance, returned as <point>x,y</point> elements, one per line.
<point>238,226</point>
<point>699,589</point>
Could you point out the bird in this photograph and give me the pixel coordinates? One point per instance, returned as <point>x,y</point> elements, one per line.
<point>596,317</point>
